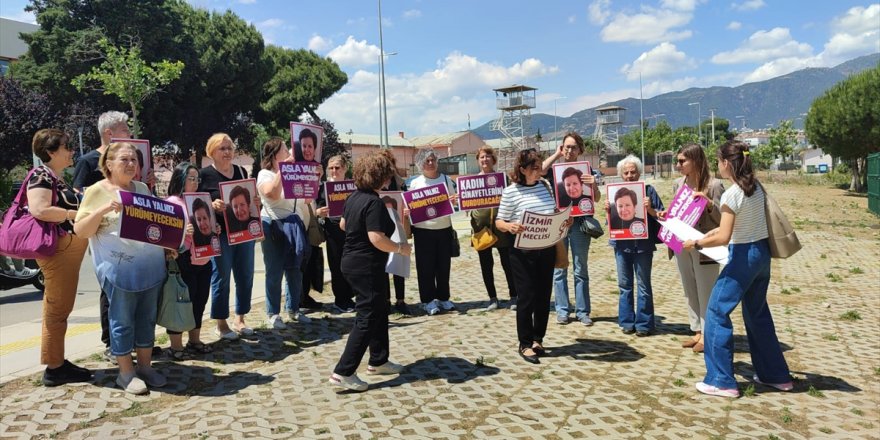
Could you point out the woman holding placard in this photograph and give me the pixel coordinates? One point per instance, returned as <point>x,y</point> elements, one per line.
<point>342,293</point>
<point>698,273</point>
<point>237,259</point>
<point>532,269</point>
<point>286,241</point>
<point>745,278</point>
<point>485,218</point>
<point>132,273</point>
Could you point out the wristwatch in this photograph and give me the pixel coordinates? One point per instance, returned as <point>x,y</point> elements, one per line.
<point>697,245</point>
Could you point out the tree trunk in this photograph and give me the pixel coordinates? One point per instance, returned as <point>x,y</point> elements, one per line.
<point>136,126</point>
<point>855,184</point>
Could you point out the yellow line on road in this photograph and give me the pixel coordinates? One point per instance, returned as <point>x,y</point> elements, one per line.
<point>34,341</point>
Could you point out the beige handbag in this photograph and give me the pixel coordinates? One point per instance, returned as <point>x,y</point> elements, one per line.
<point>783,240</point>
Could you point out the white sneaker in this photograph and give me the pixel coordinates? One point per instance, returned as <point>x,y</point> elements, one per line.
<point>277,323</point>
<point>352,382</point>
<point>229,336</point>
<point>712,390</point>
<point>132,384</point>
<point>447,305</point>
<point>300,317</point>
<point>386,368</point>
<point>432,308</point>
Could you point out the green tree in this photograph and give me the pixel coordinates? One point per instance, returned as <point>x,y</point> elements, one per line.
<point>127,76</point>
<point>782,140</point>
<point>845,122</point>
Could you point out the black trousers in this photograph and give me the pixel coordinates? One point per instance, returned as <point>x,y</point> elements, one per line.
<point>487,265</point>
<point>370,328</point>
<point>433,262</point>
<point>399,288</point>
<point>105,318</point>
<point>533,275</point>
<point>198,281</point>
<point>342,292</point>
<point>313,272</point>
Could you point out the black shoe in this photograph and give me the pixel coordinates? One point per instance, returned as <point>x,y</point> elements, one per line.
<point>643,333</point>
<point>628,331</point>
<point>402,308</point>
<point>75,367</point>
<point>533,359</point>
<point>66,373</point>
<point>309,303</point>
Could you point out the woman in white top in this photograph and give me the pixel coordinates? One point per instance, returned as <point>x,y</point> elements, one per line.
<point>532,269</point>
<point>744,279</point>
<point>433,239</point>
<point>278,253</point>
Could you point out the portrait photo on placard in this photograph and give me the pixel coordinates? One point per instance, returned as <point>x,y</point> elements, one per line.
<point>242,216</point>
<point>206,242</point>
<point>570,189</point>
<point>306,141</point>
<point>626,211</point>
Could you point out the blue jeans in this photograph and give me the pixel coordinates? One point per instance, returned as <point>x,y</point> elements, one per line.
<point>238,259</point>
<point>640,317</point>
<point>580,248</point>
<point>132,318</point>
<point>276,253</point>
<point>745,278</point>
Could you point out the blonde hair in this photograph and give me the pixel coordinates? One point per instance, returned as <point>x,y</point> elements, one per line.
<point>214,143</point>
<point>110,153</point>
<point>489,152</point>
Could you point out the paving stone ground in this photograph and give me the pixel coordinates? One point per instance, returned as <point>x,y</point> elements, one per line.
<point>464,378</point>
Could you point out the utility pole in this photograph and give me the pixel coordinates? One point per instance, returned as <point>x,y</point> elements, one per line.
<point>712,110</point>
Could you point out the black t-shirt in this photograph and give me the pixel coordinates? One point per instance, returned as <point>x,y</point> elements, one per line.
<point>65,197</point>
<point>87,172</point>
<point>211,179</point>
<point>364,212</point>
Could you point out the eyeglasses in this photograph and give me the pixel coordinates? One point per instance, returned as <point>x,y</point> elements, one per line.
<point>226,149</point>
<point>334,168</point>
<point>194,179</point>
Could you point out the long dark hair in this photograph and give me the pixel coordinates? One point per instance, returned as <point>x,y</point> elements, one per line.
<point>270,148</point>
<point>178,178</point>
<point>737,155</point>
<point>695,153</point>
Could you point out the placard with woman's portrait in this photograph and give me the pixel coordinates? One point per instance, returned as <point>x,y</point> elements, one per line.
<point>571,190</point>
<point>206,242</point>
<point>242,216</point>
<point>626,211</point>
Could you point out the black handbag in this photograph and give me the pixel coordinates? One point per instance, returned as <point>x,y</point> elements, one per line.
<point>591,227</point>
<point>456,246</point>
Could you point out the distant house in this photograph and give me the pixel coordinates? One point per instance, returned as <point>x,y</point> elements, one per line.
<point>812,158</point>
<point>11,46</point>
<point>450,144</point>
<point>402,148</point>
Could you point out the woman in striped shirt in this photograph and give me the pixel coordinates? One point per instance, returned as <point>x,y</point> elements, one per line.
<point>532,269</point>
<point>744,279</point>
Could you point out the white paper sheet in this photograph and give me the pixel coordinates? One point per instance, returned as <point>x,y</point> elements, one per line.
<point>686,232</point>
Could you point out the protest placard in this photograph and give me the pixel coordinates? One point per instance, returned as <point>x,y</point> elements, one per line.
<point>299,180</point>
<point>428,203</point>
<point>480,191</point>
<point>306,141</point>
<point>684,232</point>
<point>336,194</point>
<point>151,220</point>
<point>206,243</point>
<point>145,157</point>
<point>242,216</point>
<point>394,199</point>
<point>542,230</point>
<point>685,208</point>
<point>570,189</point>
<point>626,211</point>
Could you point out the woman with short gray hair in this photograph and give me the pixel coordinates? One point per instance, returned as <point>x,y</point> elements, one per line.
<point>433,239</point>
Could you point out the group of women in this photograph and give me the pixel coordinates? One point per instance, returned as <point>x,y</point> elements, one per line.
<point>132,274</point>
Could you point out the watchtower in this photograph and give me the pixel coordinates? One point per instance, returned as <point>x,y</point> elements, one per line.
<point>608,122</point>
<point>515,104</point>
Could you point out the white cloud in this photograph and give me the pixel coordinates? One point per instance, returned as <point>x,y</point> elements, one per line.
<point>856,33</point>
<point>681,5</point>
<point>269,24</point>
<point>319,44</point>
<point>764,46</point>
<point>662,60</point>
<point>858,20</point>
<point>781,66</point>
<point>598,11</point>
<point>434,101</point>
<point>748,5</point>
<point>648,27</point>
<point>734,26</point>
<point>355,53</point>
<point>572,19</point>
<point>412,13</point>
<point>247,2</point>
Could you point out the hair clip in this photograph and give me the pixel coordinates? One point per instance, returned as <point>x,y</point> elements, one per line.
<point>746,153</point>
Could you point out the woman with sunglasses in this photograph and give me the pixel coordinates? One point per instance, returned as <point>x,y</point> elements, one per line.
<point>698,273</point>
<point>532,269</point>
<point>343,295</point>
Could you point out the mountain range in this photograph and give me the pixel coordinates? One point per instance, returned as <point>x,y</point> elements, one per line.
<point>759,103</point>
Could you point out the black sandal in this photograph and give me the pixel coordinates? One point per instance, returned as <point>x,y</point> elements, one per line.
<point>531,358</point>
<point>538,349</point>
<point>172,354</point>
<point>199,347</point>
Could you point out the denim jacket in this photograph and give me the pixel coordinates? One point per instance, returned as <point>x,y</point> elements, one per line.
<point>292,230</point>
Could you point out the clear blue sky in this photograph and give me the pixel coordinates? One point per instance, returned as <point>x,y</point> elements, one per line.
<point>452,53</point>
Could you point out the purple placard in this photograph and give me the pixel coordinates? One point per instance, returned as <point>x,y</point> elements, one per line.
<point>300,180</point>
<point>151,220</point>
<point>428,203</point>
<point>480,191</point>
<point>337,193</point>
<point>685,208</point>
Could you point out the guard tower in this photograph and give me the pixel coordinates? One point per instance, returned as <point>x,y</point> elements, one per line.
<point>515,103</point>
<point>608,123</point>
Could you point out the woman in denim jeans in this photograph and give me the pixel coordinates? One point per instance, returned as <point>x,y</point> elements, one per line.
<point>572,147</point>
<point>131,273</point>
<point>744,279</point>
<point>280,256</point>
<point>636,256</point>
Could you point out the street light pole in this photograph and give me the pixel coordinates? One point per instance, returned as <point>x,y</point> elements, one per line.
<point>382,80</point>
<point>712,110</point>
<point>699,113</point>
<point>555,133</point>
<point>642,118</point>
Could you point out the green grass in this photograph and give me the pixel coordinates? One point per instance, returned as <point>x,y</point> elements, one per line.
<point>678,382</point>
<point>825,430</point>
<point>785,291</point>
<point>856,411</point>
<point>850,315</point>
<point>856,270</point>
<point>835,278</point>
<point>749,391</point>
<point>829,337</point>
<point>772,437</point>
<point>162,339</point>
<point>689,375</point>
<point>823,256</point>
<point>796,289</point>
<point>785,415</point>
<point>536,376</point>
<point>813,392</point>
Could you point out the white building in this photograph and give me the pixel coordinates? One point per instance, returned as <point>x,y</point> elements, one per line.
<point>11,46</point>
